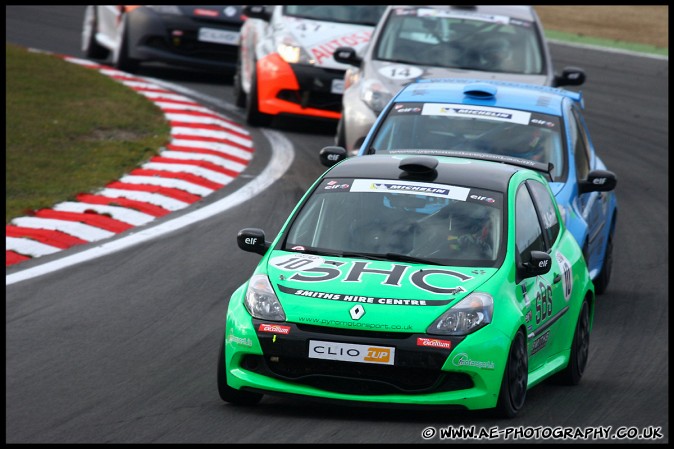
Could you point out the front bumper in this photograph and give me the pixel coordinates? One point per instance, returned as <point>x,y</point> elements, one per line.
<point>358,119</point>
<point>297,89</point>
<point>467,374</point>
<point>174,40</point>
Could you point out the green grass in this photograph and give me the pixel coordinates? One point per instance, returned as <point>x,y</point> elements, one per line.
<point>601,42</point>
<point>70,130</point>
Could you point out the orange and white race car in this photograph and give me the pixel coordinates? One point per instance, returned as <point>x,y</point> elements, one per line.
<point>285,63</point>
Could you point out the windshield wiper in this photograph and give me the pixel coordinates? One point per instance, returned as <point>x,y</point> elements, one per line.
<point>406,258</point>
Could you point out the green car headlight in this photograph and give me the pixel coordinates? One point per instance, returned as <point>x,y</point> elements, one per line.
<point>469,315</point>
<point>261,301</point>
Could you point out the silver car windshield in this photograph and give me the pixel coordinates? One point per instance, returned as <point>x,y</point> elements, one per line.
<point>355,14</point>
<point>481,129</point>
<point>462,40</point>
<point>400,220</point>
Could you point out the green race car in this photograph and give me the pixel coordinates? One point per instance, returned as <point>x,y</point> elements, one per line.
<point>412,280</point>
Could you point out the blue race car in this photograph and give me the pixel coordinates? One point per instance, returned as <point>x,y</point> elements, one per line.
<point>462,117</point>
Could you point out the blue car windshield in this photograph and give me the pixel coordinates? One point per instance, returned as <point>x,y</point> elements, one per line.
<point>481,129</point>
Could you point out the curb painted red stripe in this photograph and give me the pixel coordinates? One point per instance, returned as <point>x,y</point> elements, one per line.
<point>201,114</point>
<point>205,164</point>
<point>177,194</point>
<point>189,177</point>
<point>150,209</point>
<point>209,127</point>
<point>207,151</point>
<point>171,104</point>
<point>213,140</point>
<point>12,258</point>
<point>90,218</point>
<point>47,236</point>
<point>176,102</point>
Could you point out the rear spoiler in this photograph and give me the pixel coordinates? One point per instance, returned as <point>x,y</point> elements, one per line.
<point>545,168</point>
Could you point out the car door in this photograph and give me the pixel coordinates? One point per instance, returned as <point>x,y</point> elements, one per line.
<point>542,297</point>
<point>592,205</point>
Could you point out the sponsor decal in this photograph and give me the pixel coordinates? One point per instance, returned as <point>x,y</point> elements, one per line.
<point>567,275</point>
<point>414,188</point>
<point>324,50</point>
<point>274,328</point>
<point>364,299</point>
<point>424,279</point>
<point>297,262</point>
<point>458,14</point>
<point>240,341</point>
<point>488,113</point>
<point>406,109</point>
<point>482,198</point>
<point>400,72</point>
<point>334,185</point>
<point>434,342</point>
<point>540,343</point>
<point>463,360</point>
<point>326,350</point>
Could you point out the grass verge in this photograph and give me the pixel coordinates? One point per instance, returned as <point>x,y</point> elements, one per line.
<point>70,130</point>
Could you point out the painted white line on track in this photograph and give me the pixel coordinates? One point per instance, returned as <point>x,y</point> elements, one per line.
<point>281,159</point>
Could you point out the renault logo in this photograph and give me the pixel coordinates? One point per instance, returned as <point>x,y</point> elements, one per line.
<point>357,312</point>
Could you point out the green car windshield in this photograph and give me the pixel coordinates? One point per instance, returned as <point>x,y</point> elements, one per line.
<point>400,220</point>
<point>480,129</point>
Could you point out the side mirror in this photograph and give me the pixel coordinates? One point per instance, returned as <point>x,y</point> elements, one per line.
<point>329,156</point>
<point>598,181</point>
<point>539,264</point>
<point>571,76</point>
<point>256,12</point>
<point>252,240</point>
<point>347,55</point>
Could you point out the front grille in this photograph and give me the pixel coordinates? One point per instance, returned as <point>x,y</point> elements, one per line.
<point>357,378</point>
<point>188,45</point>
<point>312,99</point>
<point>323,330</point>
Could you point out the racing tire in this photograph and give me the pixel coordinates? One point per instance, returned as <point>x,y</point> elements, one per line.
<point>513,391</point>
<point>90,46</point>
<point>602,280</point>
<point>253,115</point>
<point>229,394</point>
<point>120,56</point>
<point>580,349</point>
<point>239,94</point>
